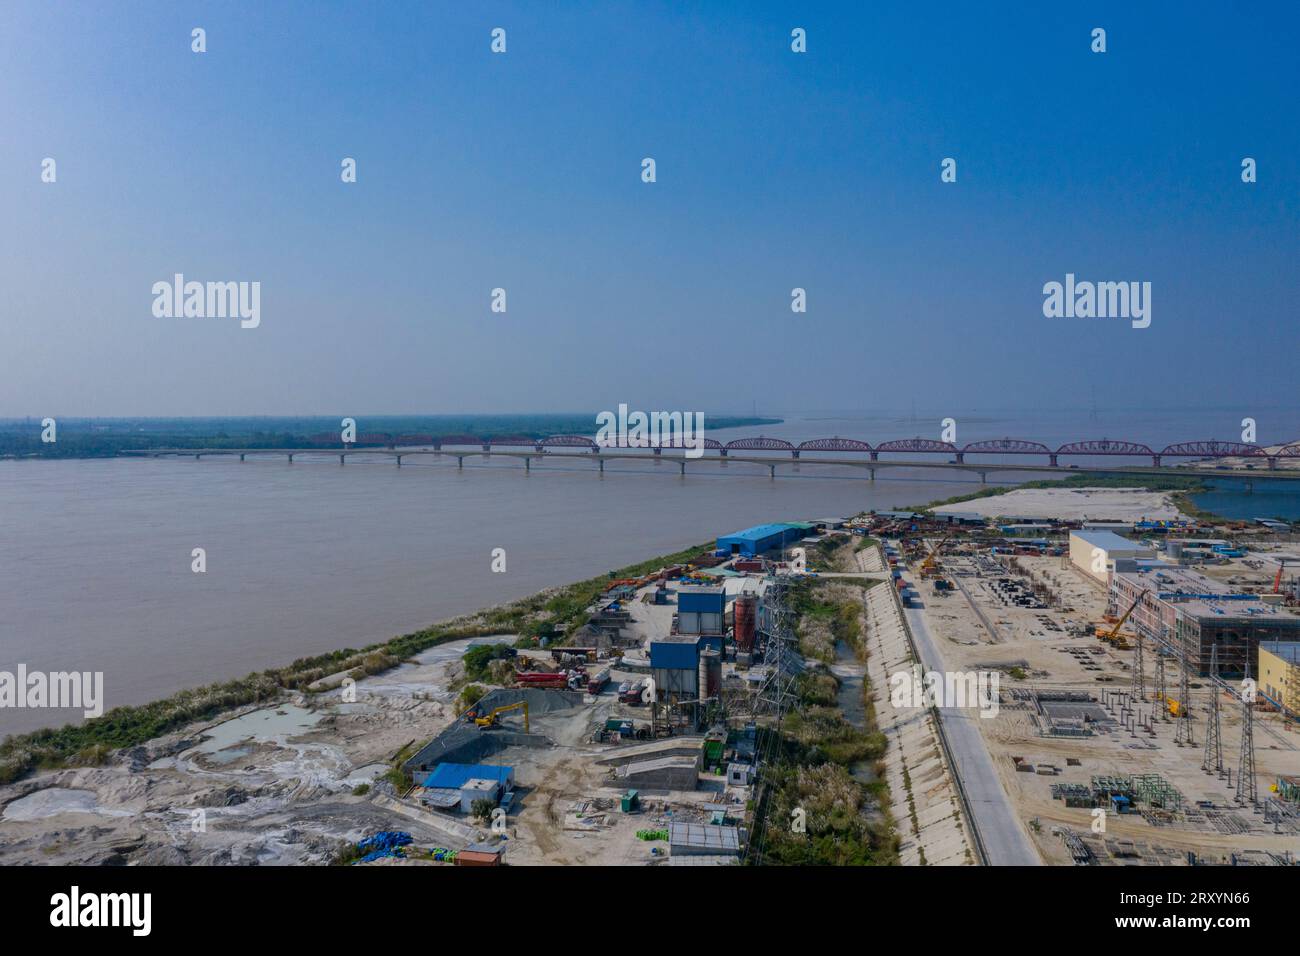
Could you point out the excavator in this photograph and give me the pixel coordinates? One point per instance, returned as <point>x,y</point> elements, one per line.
<point>489,719</point>
<point>1111,634</point>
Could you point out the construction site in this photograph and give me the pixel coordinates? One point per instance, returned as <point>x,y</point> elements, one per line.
<point>1130,728</point>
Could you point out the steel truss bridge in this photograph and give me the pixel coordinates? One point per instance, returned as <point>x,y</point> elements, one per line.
<point>1104,447</point>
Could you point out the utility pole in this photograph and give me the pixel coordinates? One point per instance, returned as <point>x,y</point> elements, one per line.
<point>1183,735</point>
<point>1139,684</point>
<point>1246,792</point>
<point>1213,761</point>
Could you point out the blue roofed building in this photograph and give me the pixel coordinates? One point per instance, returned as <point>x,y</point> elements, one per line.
<point>764,537</point>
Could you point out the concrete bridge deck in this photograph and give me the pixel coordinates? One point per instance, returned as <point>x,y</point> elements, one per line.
<point>599,458</point>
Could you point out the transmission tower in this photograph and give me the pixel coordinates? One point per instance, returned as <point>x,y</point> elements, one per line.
<point>1246,792</point>
<point>1161,690</point>
<point>1213,762</point>
<point>777,619</point>
<point>1183,734</point>
<point>1139,686</point>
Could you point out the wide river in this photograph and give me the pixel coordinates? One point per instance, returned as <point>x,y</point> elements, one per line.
<point>95,555</point>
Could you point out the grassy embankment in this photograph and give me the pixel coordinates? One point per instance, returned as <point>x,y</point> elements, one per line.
<point>810,762</point>
<point>1182,487</point>
<point>545,614</point>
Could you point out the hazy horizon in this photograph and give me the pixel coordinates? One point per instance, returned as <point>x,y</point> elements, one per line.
<point>522,171</point>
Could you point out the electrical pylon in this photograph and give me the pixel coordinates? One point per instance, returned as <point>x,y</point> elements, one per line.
<point>1246,792</point>
<point>1213,761</point>
<point>1139,685</point>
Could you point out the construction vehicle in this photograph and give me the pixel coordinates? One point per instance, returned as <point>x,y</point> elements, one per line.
<point>929,566</point>
<point>490,718</point>
<point>554,681</point>
<point>1111,634</point>
<point>1173,706</point>
<point>1277,579</point>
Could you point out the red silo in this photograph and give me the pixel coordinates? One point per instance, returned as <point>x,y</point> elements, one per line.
<point>744,611</point>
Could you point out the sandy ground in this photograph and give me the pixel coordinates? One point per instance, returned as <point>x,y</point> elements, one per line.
<point>265,785</point>
<point>1049,645</point>
<point>1096,504</point>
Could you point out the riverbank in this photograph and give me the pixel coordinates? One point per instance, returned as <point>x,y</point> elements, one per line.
<point>544,614</point>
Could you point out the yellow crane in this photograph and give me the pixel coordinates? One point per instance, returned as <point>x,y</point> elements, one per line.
<point>929,566</point>
<point>490,718</point>
<point>1109,636</point>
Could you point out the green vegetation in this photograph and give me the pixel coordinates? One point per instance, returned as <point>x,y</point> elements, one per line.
<point>106,437</point>
<point>818,746</point>
<point>829,610</point>
<point>477,659</point>
<point>469,696</point>
<point>360,790</point>
<point>557,609</point>
<point>481,809</point>
<point>839,831</point>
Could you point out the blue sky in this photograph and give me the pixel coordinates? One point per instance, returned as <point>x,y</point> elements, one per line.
<point>522,171</point>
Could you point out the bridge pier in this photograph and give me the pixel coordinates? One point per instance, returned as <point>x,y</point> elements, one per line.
<point>341,459</point>
<point>399,461</point>
<point>771,471</point>
<point>1155,460</point>
<point>961,457</point>
<point>291,458</point>
<point>682,465</point>
<point>528,464</point>
<point>873,473</point>
<point>241,456</point>
<point>197,457</point>
<point>602,465</point>
<point>984,479</point>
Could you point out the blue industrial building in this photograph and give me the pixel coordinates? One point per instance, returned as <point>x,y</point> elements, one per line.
<point>764,537</point>
<point>454,776</point>
<point>701,609</point>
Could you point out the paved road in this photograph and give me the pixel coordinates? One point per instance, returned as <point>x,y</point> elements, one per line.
<point>1005,840</point>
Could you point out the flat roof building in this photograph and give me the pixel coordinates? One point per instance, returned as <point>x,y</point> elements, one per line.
<point>1192,613</point>
<point>763,537</point>
<point>1279,674</point>
<point>1095,552</point>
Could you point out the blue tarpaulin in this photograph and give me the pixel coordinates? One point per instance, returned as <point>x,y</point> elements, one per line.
<point>384,843</point>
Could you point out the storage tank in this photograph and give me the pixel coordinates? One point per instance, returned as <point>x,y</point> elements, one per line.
<point>744,613</point>
<point>710,674</point>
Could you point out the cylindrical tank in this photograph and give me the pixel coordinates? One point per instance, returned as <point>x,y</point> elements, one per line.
<point>710,674</point>
<point>744,614</point>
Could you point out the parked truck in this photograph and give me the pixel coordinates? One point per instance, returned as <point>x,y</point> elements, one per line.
<point>554,681</point>
<point>596,682</point>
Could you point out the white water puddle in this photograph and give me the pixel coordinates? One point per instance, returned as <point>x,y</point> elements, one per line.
<point>427,676</point>
<point>55,800</point>
<point>270,723</point>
